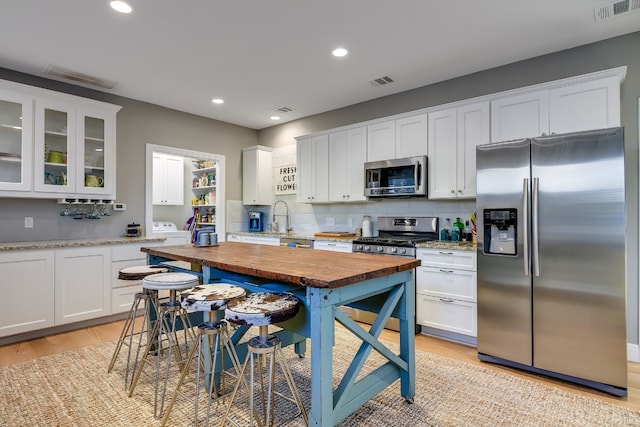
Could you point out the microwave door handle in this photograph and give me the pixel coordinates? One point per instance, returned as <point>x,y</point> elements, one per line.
<point>525,221</point>
<point>416,176</point>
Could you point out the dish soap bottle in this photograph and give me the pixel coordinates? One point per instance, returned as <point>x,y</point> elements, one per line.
<point>445,231</point>
<point>367,230</point>
<point>456,232</point>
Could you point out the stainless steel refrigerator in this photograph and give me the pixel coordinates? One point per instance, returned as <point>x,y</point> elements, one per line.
<point>551,257</point>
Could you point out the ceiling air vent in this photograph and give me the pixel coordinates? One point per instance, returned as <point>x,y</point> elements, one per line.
<point>381,81</point>
<point>283,109</point>
<point>77,78</point>
<point>610,10</point>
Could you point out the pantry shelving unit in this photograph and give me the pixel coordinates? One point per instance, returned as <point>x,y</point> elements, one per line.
<point>205,188</point>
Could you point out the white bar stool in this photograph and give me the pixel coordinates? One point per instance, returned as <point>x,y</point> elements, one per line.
<point>263,309</point>
<point>214,339</point>
<point>165,329</point>
<point>150,300</point>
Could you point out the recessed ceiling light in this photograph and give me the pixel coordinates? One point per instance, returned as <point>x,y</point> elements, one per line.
<point>339,52</point>
<point>275,117</point>
<point>217,100</point>
<point>121,6</point>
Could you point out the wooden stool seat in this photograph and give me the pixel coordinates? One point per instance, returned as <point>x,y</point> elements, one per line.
<point>139,272</point>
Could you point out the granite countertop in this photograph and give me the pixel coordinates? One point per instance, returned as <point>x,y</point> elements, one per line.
<point>435,244</point>
<point>52,244</point>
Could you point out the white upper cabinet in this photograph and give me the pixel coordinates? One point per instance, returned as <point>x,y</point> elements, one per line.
<point>168,179</point>
<point>520,116</point>
<point>381,141</point>
<point>347,154</point>
<point>95,151</point>
<point>573,106</point>
<point>443,151</point>
<point>16,141</point>
<point>58,146</point>
<point>396,139</point>
<point>411,136</point>
<point>453,136</point>
<point>257,176</point>
<point>55,155</point>
<point>313,169</point>
<point>590,105</point>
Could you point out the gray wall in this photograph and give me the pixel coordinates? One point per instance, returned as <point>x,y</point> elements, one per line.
<point>138,123</point>
<point>610,53</point>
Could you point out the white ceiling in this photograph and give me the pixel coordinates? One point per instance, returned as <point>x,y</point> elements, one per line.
<point>260,55</point>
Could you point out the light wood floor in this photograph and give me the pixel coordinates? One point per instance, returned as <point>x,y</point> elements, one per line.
<point>19,352</point>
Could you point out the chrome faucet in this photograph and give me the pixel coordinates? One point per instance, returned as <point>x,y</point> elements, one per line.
<point>287,223</point>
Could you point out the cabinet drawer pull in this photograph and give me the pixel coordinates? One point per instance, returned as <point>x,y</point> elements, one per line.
<point>446,271</point>
<point>445,253</point>
<point>446,300</point>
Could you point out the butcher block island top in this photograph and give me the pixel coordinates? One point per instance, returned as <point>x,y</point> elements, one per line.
<point>289,265</point>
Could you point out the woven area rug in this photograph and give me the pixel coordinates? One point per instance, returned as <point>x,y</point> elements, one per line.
<point>74,389</point>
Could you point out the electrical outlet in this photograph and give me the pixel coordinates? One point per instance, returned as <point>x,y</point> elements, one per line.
<point>329,221</point>
<point>28,222</point>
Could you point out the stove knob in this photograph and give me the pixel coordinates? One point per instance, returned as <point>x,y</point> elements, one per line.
<point>380,249</point>
<point>394,250</point>
<point>403,251</point>
<point>358,247</point>
<point>367,248</point>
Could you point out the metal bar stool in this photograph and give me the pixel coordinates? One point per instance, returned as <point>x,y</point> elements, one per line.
<point>214,339</point>
<point>263,309</point>
<point>165,330</point>
<point>150,300</point>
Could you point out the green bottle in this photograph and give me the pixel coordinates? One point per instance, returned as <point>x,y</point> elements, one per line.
<point>456,232</point>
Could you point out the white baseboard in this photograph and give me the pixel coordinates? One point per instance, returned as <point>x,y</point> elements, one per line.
<point>633,352</point>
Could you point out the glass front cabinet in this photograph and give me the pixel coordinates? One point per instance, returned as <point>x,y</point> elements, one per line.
<point>16,141</point>
<point>56,146</point>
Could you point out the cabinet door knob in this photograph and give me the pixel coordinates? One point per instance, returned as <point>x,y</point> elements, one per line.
<point>453,191</point>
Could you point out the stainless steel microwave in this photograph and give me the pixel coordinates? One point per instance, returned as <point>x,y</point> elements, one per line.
<point>396,178</point>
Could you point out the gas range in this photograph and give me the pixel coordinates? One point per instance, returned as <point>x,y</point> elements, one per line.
<point>399,236</point>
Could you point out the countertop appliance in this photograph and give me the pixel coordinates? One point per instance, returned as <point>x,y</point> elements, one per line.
<point>396,236</point>
<point>551,257</point>
<point>256,222</point>
<point>405,177</point>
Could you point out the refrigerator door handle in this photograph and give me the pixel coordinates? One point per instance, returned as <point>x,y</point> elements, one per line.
<point>534,228</point>
<point>525,221</point>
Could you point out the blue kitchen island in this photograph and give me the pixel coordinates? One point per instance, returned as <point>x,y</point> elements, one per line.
<point>324,282</point>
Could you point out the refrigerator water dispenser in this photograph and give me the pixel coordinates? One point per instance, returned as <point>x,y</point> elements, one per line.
<point>500,227</point>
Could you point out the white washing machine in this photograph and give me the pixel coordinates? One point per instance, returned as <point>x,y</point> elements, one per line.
<point>169,230</point>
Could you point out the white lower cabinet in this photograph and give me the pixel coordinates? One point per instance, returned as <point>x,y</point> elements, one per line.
<point>330,245</point>
<point>82,277</point>
<point>124,291</point>
<point>52,287</point>
<point>234,238</point>
<point>262,240</point>
<point>258,240</point>
<point>27,289</point>
<point>446,294</point>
